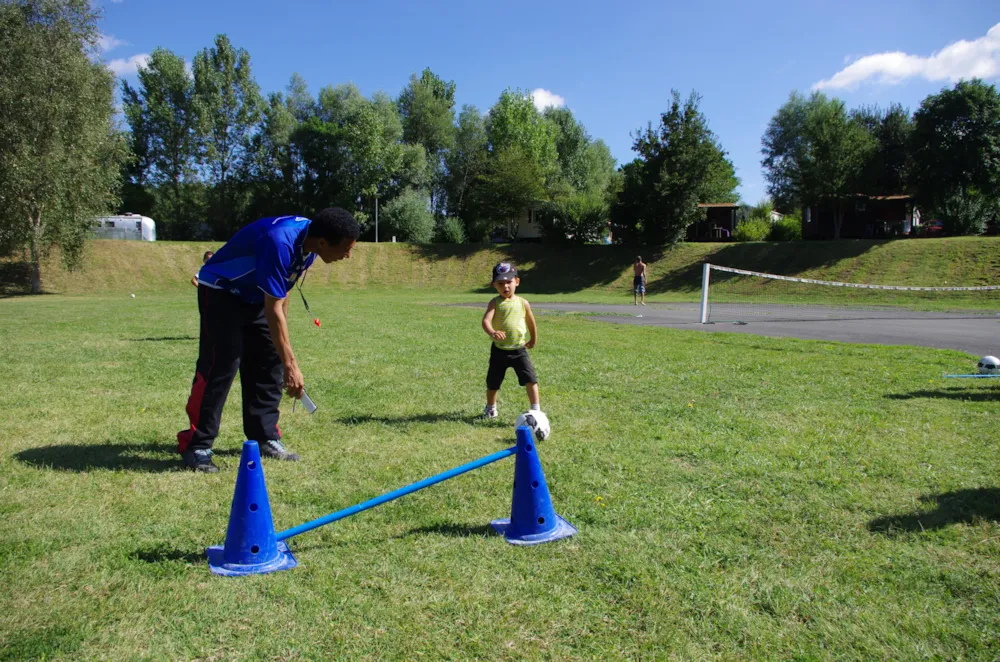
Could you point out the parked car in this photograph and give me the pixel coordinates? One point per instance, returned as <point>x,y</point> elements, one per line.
<point>930,229</point>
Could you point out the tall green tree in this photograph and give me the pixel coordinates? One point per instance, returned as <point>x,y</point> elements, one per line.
<point>956,155</point>
<point>167,113</point>
<point>351,151</point>
<point>511,182</point>
<point>511,173</point>
<point>271,170</point>
<point>300,102</point>
<point>137,187</point>
<point>814,152</point>
<point>427,112</point>
<point>571,142</point>
<point>60,153</point>
<point>514,122</point>
<point>465,161</point>
<point>886,170</point>
<point>320,143</point>
<point>375,153</point>
<point>578,208</point>
<point>229,109</point>
<point>679,164</point>
<point>598,168</point>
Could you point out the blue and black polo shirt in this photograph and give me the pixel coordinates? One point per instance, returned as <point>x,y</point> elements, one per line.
<point>265,257</point>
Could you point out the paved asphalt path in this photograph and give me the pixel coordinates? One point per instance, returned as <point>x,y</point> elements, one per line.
<point>977,335</point>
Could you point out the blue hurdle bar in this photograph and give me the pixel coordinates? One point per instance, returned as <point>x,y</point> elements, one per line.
<point>403,491</point>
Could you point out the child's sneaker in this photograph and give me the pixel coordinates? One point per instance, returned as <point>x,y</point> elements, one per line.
<point>489,413</point>
<point>274,448</point>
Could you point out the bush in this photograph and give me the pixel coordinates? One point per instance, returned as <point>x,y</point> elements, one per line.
<point>450,230</point>
<point>753,229</point>
<point>580,219</point>
<point>408,218</point>
<point>965,213</point>
<point>787,229</point>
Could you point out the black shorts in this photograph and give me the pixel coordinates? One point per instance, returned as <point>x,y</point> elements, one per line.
<point>501,359</point>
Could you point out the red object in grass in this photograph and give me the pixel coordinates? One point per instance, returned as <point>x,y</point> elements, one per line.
<point>316,321</point>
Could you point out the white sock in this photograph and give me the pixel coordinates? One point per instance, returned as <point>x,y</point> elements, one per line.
<point>535,407</point>
<point>490,407</point>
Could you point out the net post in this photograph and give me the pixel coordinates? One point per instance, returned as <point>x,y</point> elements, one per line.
<point>706,270</point>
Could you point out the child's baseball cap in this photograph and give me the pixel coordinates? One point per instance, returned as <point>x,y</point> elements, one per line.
<point>503,272</point>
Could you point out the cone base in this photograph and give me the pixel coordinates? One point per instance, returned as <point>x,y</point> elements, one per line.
<point>562,529</point>
<point>217,564</point>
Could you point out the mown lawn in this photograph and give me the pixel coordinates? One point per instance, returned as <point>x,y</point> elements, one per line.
<point>737,497</point>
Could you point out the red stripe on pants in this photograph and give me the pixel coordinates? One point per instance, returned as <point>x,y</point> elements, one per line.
<point>193,411</point>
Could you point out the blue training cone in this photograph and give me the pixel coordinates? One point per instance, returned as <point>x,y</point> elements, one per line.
<point>251,547</point>
<point>533,520</point>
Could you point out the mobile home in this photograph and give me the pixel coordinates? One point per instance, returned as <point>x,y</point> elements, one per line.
<point>125,226</point>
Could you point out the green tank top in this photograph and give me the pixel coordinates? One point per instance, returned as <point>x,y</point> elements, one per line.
<point>509,318</point>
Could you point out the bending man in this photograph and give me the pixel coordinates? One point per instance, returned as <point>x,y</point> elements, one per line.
<point>242,299</point>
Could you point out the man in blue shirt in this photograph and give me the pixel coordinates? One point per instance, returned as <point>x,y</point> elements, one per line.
<point>243,301</point>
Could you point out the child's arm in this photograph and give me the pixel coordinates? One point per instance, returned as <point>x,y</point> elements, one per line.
<point>488,322</point>
<point>529,317</point>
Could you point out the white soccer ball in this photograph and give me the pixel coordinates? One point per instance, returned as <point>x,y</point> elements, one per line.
<point>537,421</point>
<point>132,295</point>
<point>989,365</point>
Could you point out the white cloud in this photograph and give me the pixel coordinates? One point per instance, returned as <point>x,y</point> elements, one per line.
<point>126,66</point>
<point>108,42</point>
<point>979,58</point>
<point>543,99</point>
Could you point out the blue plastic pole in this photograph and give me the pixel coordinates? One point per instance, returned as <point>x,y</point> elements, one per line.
<point>403,491</point>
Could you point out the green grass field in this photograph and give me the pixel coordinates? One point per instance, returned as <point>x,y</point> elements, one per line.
<point>737,497</point>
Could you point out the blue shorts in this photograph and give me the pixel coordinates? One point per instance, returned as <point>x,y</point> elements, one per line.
<point>639,285</point>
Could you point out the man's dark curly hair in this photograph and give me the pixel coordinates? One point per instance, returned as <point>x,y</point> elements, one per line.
<point>334,224</point>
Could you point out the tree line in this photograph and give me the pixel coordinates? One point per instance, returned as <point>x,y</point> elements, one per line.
<point>211,154</point>
<point>946,155</point>
<point>203,151</point>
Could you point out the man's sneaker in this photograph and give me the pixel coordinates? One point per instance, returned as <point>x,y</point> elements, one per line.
<point>274,448</point>
<point>200,460</point>
<point>489,413</point>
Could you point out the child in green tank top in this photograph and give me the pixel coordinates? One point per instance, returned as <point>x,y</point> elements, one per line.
<point>509,322</point>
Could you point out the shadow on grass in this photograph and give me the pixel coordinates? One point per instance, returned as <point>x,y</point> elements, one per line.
<point>15,279</point>
<point>162,339</point>
<point>949,394</point>
<point>552,270</point>
<point>444,417</point>
<point>161,554</point>
<point>140,457</point>
<point>453,530</point>
<point>959,507</point>
<point>21,295</point>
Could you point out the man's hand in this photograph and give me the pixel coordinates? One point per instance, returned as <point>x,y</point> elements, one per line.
<point>499,335</point>
<point>295,384</point>
<point>529,344</point>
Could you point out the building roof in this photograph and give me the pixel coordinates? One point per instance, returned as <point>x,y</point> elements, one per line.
<point>711,205</point>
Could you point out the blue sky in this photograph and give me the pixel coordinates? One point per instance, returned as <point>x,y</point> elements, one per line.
<point>613,64</point>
